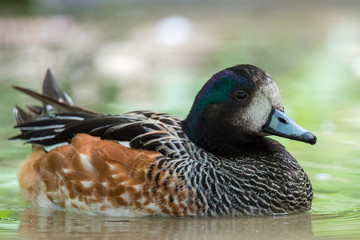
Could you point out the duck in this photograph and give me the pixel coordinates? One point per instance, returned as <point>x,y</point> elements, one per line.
<point>218,161</point>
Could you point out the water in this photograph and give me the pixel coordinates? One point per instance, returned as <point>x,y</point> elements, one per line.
<point>313,54</point>
<point>65,225</point>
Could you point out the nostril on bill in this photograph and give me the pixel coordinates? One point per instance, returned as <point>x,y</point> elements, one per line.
<point>282,120</point>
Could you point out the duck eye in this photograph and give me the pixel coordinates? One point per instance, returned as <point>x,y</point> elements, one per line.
<point>240,95</point>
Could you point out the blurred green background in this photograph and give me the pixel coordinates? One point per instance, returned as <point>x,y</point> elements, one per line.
<point>117,56</point>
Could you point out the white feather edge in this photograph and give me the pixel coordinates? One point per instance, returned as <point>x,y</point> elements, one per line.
<point>51,147</point>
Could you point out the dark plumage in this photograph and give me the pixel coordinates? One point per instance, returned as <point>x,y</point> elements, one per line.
<point>218,161</point>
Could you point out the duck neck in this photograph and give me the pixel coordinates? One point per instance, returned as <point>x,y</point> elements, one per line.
<point>215,135</point>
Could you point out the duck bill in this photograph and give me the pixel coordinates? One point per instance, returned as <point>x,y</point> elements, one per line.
<point>280,124</point>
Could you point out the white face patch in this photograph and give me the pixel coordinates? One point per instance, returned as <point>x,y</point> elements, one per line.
<point>257,113</point>
<point>272,93</point>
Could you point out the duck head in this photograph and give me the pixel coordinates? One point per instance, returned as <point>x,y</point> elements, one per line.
<point>236,106</point>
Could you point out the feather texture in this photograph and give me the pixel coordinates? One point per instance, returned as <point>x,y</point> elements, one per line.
<point>163,172</point>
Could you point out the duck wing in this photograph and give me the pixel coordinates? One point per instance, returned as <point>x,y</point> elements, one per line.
<point>143,130</point>
<point>58,121</point>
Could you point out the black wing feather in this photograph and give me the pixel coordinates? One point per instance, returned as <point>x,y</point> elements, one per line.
<point>143,129</point>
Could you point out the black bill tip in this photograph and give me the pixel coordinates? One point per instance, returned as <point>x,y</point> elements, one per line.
<point>308,137</point>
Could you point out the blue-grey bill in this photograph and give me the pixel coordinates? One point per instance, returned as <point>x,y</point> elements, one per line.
<point>280,124</point>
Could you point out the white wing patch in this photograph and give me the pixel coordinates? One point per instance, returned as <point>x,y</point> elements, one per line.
<point>87,184</point>
<point>86,163</point>
<point>51,147</point>
<point>125,143</point>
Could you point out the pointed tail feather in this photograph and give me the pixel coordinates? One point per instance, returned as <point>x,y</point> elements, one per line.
<point>42,123</point>
<point>21,116</point>
<point>51,89</point>
<point>59,106</point>
<point>53,99</point>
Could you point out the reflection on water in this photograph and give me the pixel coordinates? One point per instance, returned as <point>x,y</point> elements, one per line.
<point>47,224</point>
<point>35,223</point>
